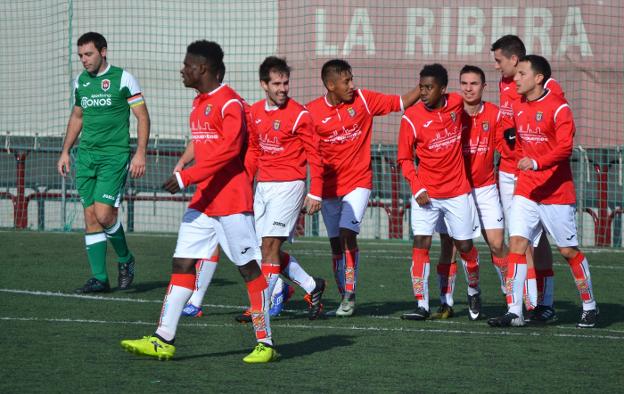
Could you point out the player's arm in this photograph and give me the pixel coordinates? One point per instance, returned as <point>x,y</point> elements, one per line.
<point>226,150</point>
<point>137,164</point>
<point>253,149</point>
<point>405,160</point>
<point>187,156</point>
<point>74,126</point>
<point>410,98</point>
<point>564,137</point>
<point>311,144</point>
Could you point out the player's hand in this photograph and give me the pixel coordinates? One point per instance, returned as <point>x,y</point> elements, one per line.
<point>311,206</point>
<point>171,185</point>
<point>137,165</point>
<point>64,164</point>
<point>423,199</point>
<point>525,164</point>
<point>179,166</point>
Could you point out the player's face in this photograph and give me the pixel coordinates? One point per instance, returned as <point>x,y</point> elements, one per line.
<point>431,92</point>
<point>471,87</point>
<point>92,59</point>
<point>506,65</point>
<point>192,70</point>
<point>277,88</point>
<point>341,86</point>
<point>527,81</point>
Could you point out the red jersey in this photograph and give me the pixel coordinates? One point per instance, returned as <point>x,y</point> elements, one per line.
<point>345,138</point>
<point>545,130</point>
<point>281,141</point>
<point>480,133</point>
<point>435,135</point>
<point>218,133</point>
<point>508,96</point>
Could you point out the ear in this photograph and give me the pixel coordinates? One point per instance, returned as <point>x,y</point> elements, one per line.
<point>264,86</point>
<point>443,90</point>
<point>539,78</point>
<point>515,59</point>
<point>103,52</point>
<point>331,84</point>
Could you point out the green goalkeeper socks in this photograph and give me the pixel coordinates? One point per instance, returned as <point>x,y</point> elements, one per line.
<point>117,237</point>
<point>96,253</point>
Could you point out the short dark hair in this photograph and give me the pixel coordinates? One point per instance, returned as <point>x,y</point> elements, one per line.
<point>437,71</point>
<point>510,45</point>
<point>212,52</point>
<point>539,65</point>
<point>97,39</point>
<point>334,66</point>
<point>472,69</point>
<point>273,64</point>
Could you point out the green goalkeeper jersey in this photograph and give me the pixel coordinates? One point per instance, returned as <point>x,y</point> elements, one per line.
<point>106,100</point>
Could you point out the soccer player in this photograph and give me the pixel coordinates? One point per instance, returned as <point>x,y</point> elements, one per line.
<point>281,142</point>
<point>220,211</point>
<point>103,97</point>
<point>431,130</point>
<point>481,124</point>
<point>343,120</point>
<point>545,196</point>
<point>539,288</point>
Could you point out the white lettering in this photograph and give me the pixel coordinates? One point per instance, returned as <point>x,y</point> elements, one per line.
<point>445,31</point>
<point>366,39</point>
<point>466,30</point>
<point>421,31</point>
<point>323,49</point>
<point>574,22</point>
<point>500,27</point>
<point>541,32</point>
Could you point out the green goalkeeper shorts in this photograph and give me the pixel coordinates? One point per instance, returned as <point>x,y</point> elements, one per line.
<point>101,178</point>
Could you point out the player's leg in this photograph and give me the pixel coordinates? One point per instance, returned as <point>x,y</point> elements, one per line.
<point>204,269</point>
<point>462,221</point>
<point>447,272</point>
<point>545,281</point>
<point>351,214</point>
<point>495,238</point>
<point>111,179</point>
<point>330,210</point>
<point>524,227</point>
<point>197,238</point>
<point>95,238</point>
<point>424,221</point>
<point>530,284</point>
<point>237,237</point>
<point>560,222</point>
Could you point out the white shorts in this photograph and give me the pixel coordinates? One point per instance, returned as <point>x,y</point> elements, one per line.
<point>529,218</point>
<point>489,207</point>
<point>345,212</point>
<point>506,187</point>
<point>459,215</point>
<point>200,234</point>
<point>277,206</point>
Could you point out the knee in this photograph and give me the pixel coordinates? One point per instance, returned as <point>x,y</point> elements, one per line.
<point>568,253</point>
<point>464,246</point>
<point>250,271</point>
<point>422,242</point>
<point>497,249</point>
<point>348,238</point>
<point>106,218</point>
<point>183,266</point>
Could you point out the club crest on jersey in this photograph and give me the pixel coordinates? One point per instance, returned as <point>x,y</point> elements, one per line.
<point>453,116</point>
<point>351,111</point>
<point>105,84</point>
<point>486,126</point>
<point>276,124</point>
<point>208,109</point>
<point>539,115</point>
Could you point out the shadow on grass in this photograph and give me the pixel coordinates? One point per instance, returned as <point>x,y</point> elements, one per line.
<point>142,287</point>
<point>291,350</point>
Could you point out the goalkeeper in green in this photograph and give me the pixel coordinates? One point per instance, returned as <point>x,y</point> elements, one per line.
<point>103,97</point>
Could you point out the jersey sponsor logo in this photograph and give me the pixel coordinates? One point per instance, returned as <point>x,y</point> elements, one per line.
<point>268,145</point>
<point>279,224</point>
<point>108,197</point>
<point>446,141</point>
<point>539,115</point>
<point>486,126</point>
<point>208,109</point>
<point>427,123</point>
<point>87,102</point>
<point>327,119</point>
<point>348,134</point>
<point>276,124</point>
<point>351,112</point>
<point>105,84</point>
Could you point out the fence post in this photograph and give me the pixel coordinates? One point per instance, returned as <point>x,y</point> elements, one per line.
<point>20,210</point>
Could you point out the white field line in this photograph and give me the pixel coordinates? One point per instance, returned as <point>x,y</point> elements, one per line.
<point>287,325</point>
<point>492,333</point>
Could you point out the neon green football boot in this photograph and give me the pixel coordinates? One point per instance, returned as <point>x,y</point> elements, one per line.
<point>149,346</point>
<point>262,353</point>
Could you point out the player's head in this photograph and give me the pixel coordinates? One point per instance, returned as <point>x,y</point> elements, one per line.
<point>203,64</point>
<point>433,82</point>
<point>92,49</point>
<point>533,72</point>
<point>274,75</point>
<point>472,83</point>
<point>507,52</point>
<point>338,79</point>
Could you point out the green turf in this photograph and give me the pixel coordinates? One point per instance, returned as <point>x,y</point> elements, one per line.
<point>55,342</point>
